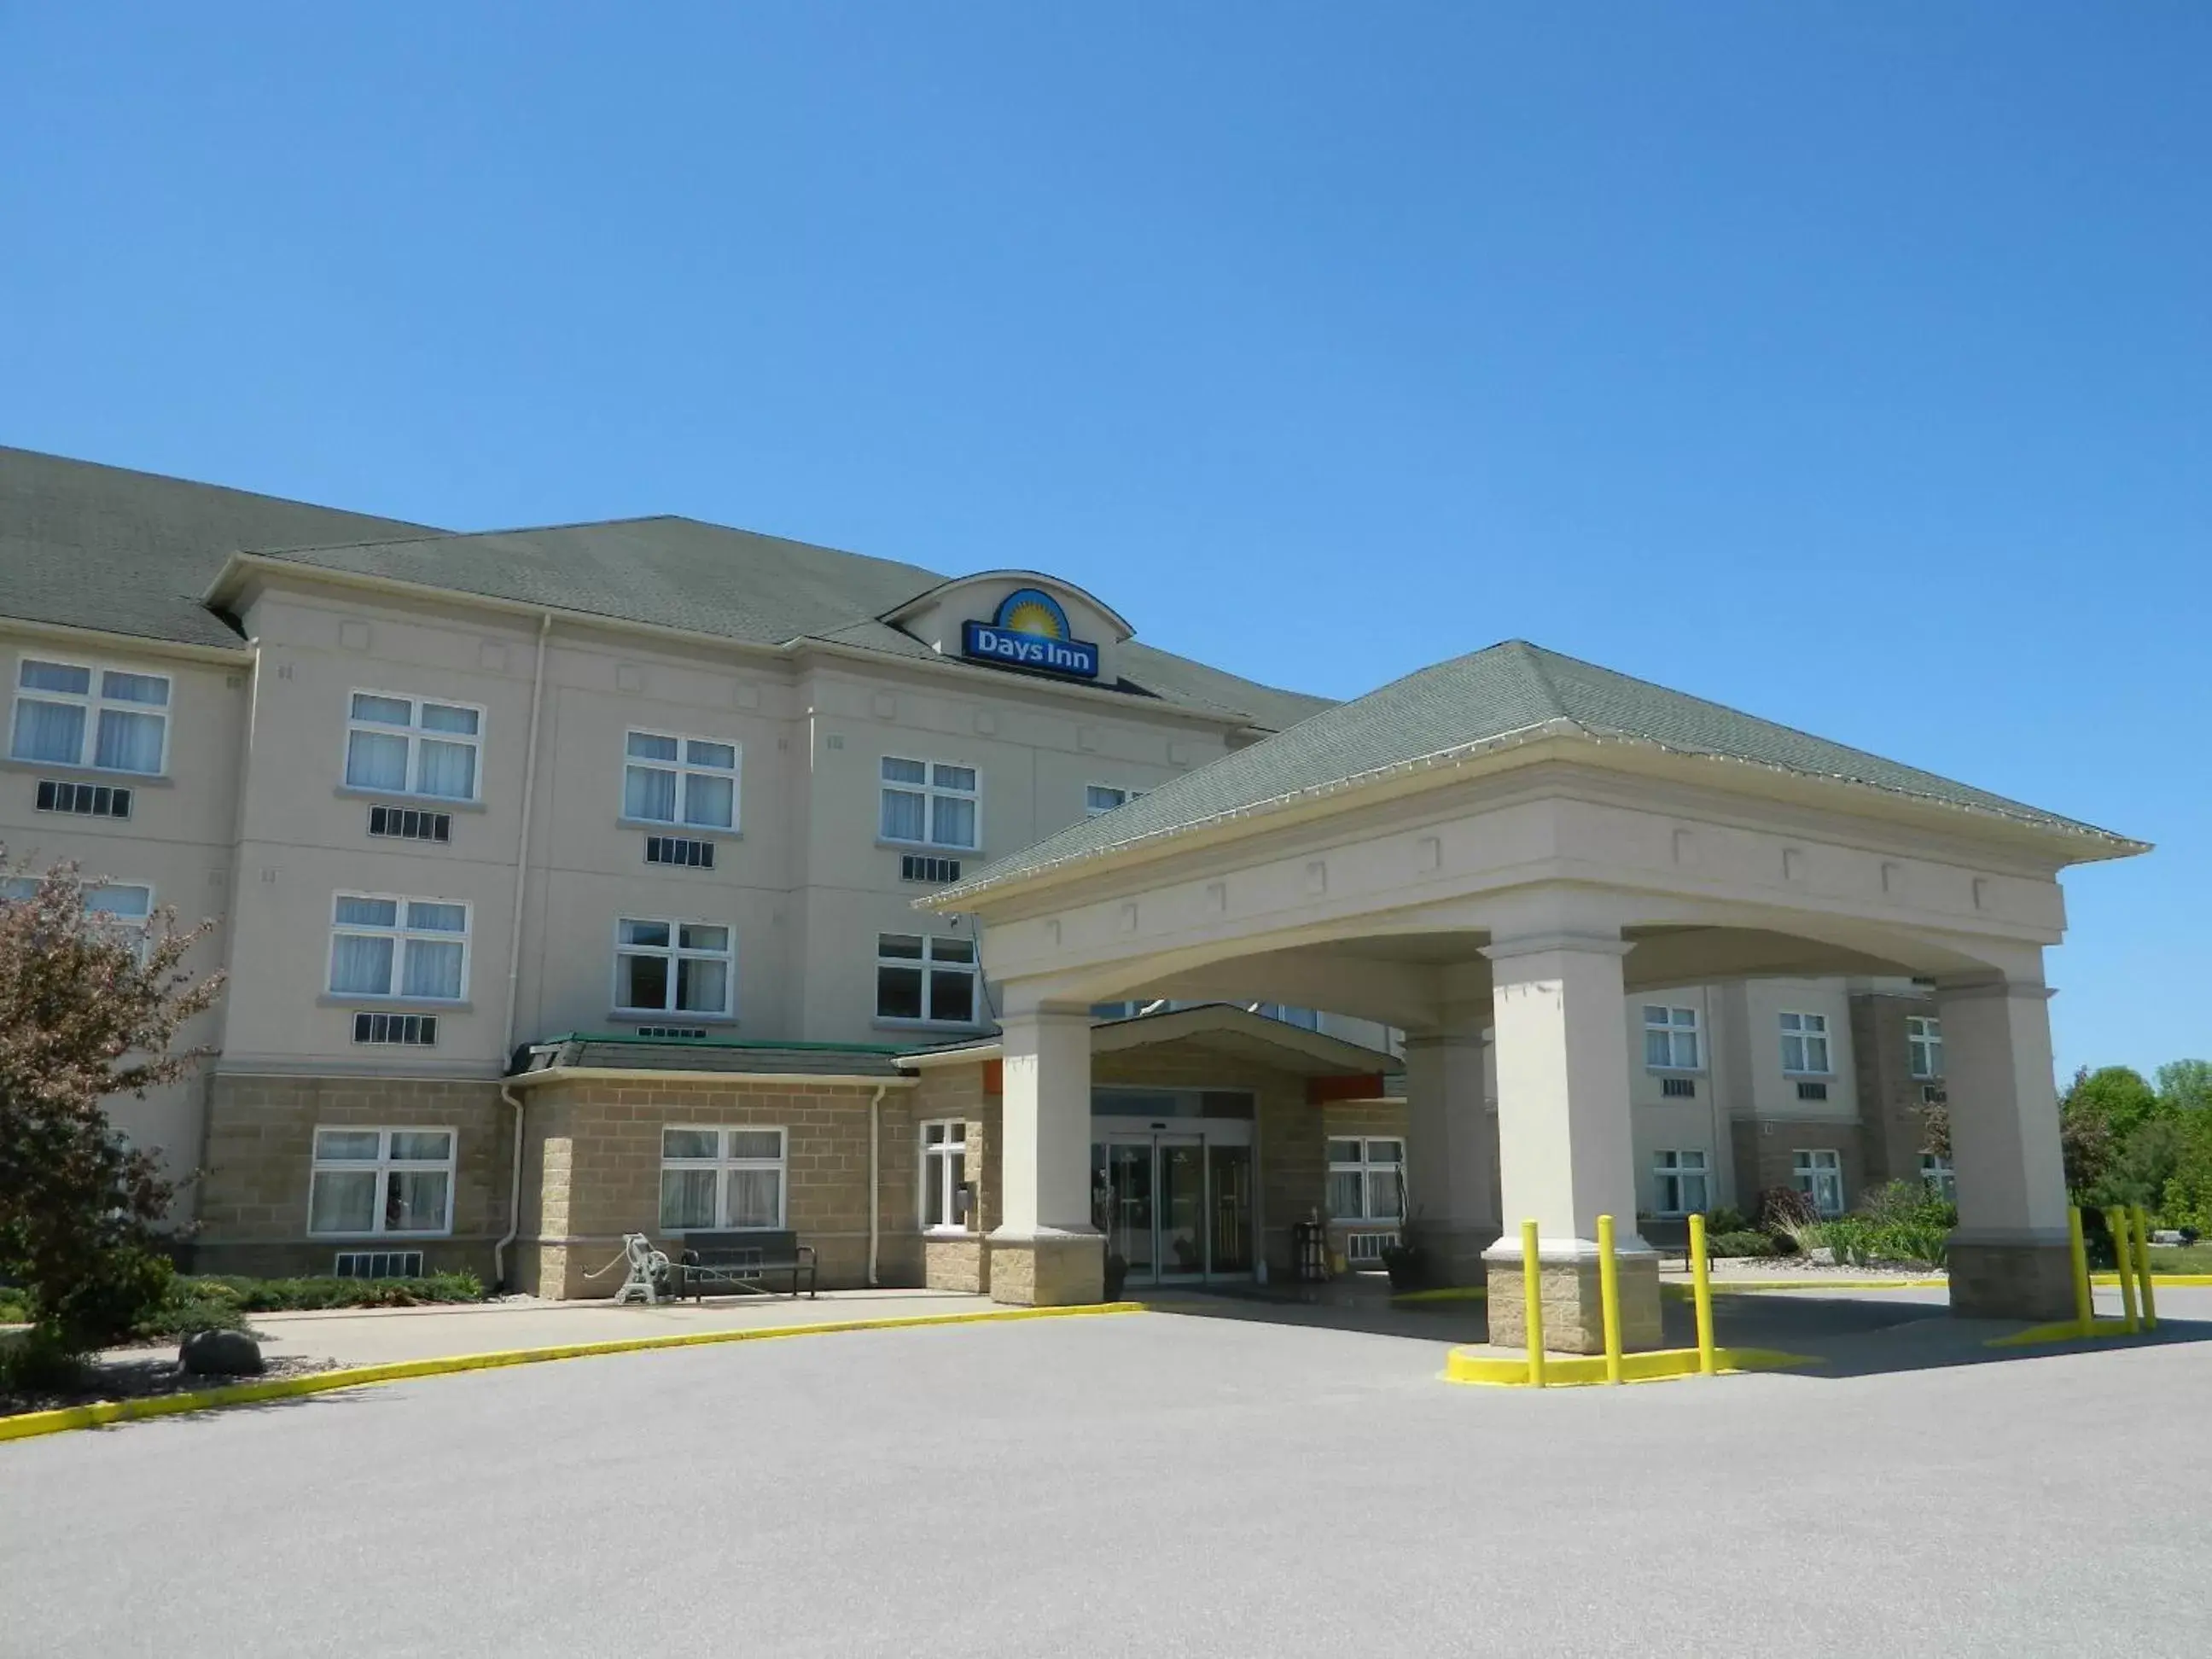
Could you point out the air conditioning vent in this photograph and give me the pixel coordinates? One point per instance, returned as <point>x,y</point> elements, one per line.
<point>920,867</point>
<point>683,1033</point>
<point>1934,1094</point>
<point>378,1264</point>
<point>1366,1248</point>
<point>409,1030</point>
<point>86,800</point>
<point>1679,1088</point>
<point>1812,1091</point>
<point>679,850</point>
<point>406,823</point>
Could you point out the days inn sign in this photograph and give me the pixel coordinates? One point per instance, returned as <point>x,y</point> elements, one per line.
<point>1029,630</point>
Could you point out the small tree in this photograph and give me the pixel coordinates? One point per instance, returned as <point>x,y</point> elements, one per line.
<point>89,1009</point>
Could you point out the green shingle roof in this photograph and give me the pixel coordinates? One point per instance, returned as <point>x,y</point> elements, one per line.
<point>1510,691</point>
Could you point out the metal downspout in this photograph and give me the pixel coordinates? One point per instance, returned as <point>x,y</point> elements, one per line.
<point>875,1185</point>
<point>515,947</point>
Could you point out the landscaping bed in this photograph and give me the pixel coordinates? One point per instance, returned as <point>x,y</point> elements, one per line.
<point>133,1376</point>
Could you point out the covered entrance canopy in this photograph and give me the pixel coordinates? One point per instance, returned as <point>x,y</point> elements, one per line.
<point>1497,848</point>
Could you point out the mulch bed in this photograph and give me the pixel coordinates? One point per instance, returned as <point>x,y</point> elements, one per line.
<point>132,1376</point>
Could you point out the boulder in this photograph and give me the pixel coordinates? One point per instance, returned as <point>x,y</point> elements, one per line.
<point>221,1353</point>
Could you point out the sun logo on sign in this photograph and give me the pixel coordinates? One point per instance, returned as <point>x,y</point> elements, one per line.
<point>1033,612</point>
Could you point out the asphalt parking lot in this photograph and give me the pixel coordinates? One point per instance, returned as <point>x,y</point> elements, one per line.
<point>1148,1483</point>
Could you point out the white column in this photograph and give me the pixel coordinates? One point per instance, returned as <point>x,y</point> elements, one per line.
<point>1451,1198</point>
<point>2008,1256</point>
<point>1045,1249</point>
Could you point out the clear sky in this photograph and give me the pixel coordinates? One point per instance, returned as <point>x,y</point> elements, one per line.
<point>1850,363</point>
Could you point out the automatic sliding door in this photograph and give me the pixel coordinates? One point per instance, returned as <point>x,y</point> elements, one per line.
<point>1180,1206</point>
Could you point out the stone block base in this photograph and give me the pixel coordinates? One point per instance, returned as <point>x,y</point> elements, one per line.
<point>1574,1317</point>
<point>956,1264</point>
<point>1451,1251</point>
<point>1049,1270</point>
<point>2032,1281</point>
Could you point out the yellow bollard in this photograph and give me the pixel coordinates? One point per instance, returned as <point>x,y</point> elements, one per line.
<point>1701,1288</point>
<point>2143,1264</point>
<point>1531,1292</point>
<point>1608,1297</point>
<point>2085,1307</point>
<point>2116,1223</point>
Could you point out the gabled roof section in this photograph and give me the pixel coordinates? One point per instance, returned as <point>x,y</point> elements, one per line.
<point>117,551</point>
<point>1510,693</point>
<point>1038,578</point>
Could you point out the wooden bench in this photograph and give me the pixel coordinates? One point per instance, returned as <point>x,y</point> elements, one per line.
<point>727,1264</point>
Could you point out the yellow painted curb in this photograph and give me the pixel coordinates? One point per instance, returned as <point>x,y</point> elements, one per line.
<point>1754,1287</point>
<point>2156,1279</point>
<point>1578,1370</point>
<point>2066,1330</point>
<point>23,1425</point>
<point>1444,1293</point>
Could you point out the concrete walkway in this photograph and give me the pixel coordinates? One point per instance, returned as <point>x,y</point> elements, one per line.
<point>375,1337</point>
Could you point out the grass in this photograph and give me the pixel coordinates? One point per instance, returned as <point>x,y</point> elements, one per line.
<point>2181,1258</point>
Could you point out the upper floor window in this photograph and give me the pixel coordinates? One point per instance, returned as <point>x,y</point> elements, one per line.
<point>385,946</point>
<point>74,715</point>
<point>1306,1019</point>
<point>1105,797</point>
<point>412,746</point>
<point>123,907</point>
<point>688,780</point>
<point>673,967</point>
<point>1923,1040</point>
<point>1805,1044</point>
<point>926,976</point>
<point>929,803</point>
<point>1670,1038</point>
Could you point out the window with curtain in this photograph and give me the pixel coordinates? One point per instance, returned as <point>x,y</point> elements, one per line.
<point>944,1167</point>
<point>1670,1038</point>
<point>926,977</point>
<point>664,966</point>
<point>79,715</point>
<point>717,1179</point>
<point>386,946</point>
<point>370,1181</point>
<point>1366,1179</point>
<point>1678,1181</point>
<point>400,745</point>
<point>1819,1174</point>
<point>677,780</point>
<point>1805,1044</point>
<point>929,804</point>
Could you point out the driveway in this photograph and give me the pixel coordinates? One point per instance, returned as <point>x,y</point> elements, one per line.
<point>1154,1484</point>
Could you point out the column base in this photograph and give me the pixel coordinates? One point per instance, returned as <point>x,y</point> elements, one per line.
<point>1451,1251</point>
<point>2030,1277</point>
<point>1574,1308</point>
<point>1047,1269</point>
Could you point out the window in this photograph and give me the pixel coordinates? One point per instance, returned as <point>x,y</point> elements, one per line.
<point>74,715</point>
<point>922,866</point>
<point>378,1264</point>
<point>406,823</point>
<point>412,747</point>
<point>90,800</point>
<point>1935,1174</point>
<point>1306,1019</point>
<point>1678,1088</point>
<point>383,946</point>
<point>1923,1040</point>
<point>381,1181</point>
<point>1677,1183</point>
<point>122,907</point>
<point>1366,1180</point>
<point>673,967</point>
<point>1670,1038</point>
<point>1804,1044</point>
<point>929,803</point>
<point>926,976</point>
<point>682,851</point>
<point>1105,797</point>
<point>713,1179</point>
<point>944,1167</point>
<point>409,1030</point>
<point>689,781</point>
<point>1819,1176</point>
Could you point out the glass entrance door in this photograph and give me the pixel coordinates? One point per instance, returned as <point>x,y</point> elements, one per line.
<point>1176,1207</point>
<point>1180,1162</point>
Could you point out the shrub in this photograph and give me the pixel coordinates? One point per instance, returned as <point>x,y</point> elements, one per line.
<point>297,1295</point>
<point>1725,1220</point>
<point>1740,1241</point>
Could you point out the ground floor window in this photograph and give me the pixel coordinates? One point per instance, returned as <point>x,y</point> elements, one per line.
<point>1678,1181</point>
<point>1935,1174</point>
<point>1819,1176</point>
<point>380,1181</point>
<point>1366,1180</point>
<point>944,1167</point>
<point>717,1179</point>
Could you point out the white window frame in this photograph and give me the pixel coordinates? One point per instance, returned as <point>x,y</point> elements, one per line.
<point>1811,1029</point>
<point>93,704</point>
<point>724,1164</point>
<point>931,792</point>
<point>1671,1177</point>
<point>414,733</point>
<point>1367,1166</point>
<point>400,934</point>
<point>1672,1028</point>
<point>1809,1174</point>
<point>685,770</point>
<point>1092,808</point>
<point>930,967</point>
<point>385,1166</point>
<point>944,1170</point>
<point>1939,1177</point>
<point>1924,1045</point>
<point>134,929</point>
<point>675,953</point>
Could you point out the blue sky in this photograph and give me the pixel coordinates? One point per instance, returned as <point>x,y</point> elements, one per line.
<point>1845,362</point>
